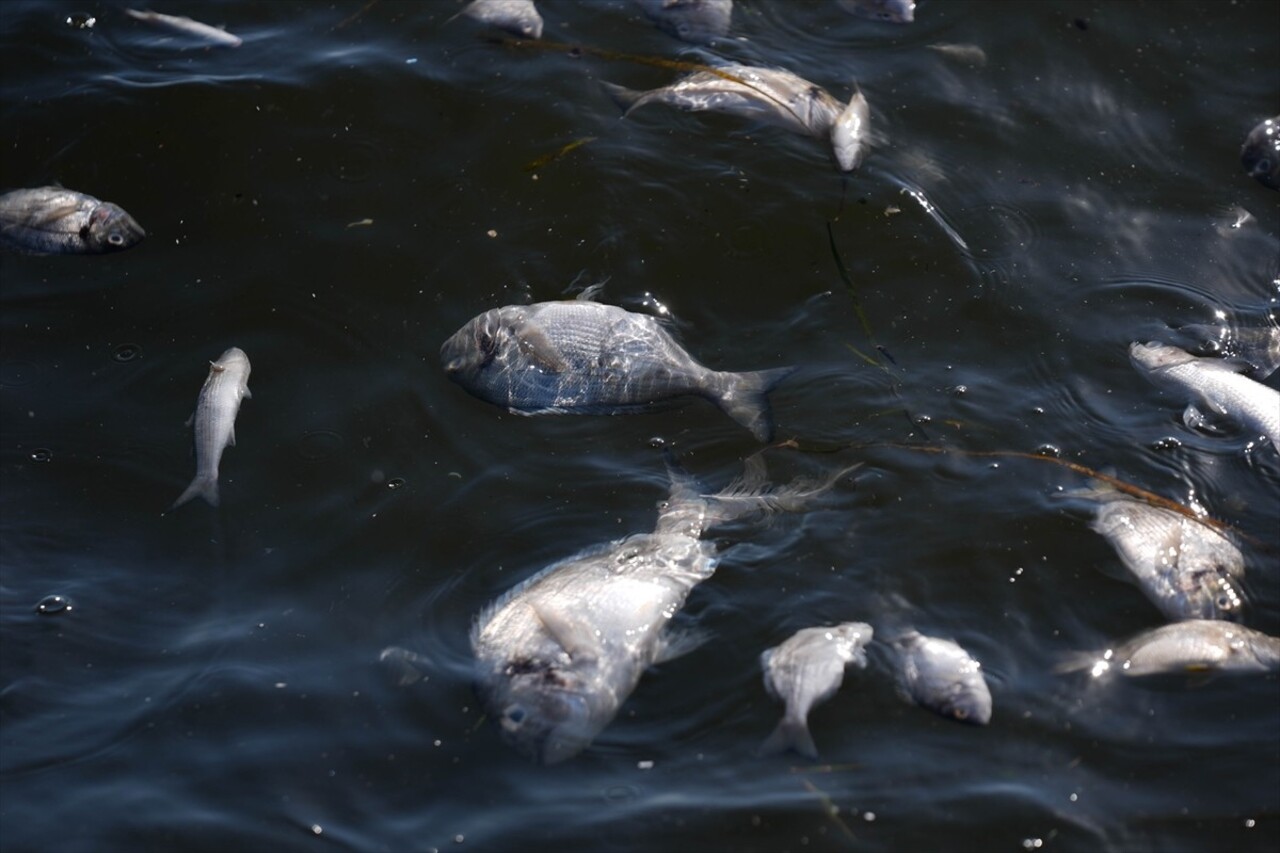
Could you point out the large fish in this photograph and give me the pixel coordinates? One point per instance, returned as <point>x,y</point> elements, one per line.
<point>518,17</point>
<point>1220,385</point>
<point>1188,569</point>
<point>943,677</point>
<point>770,95</point>
<point>696,21</point>
<point>559,654</point>
<point>57,221</point>
<point>1260,154</point>
<point>1197,645</point>
<point>187,26</point>
<point>215,421</point>
<point>579,356</point>
<point>805,670</point>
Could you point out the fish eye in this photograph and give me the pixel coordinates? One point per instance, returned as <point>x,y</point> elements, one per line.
<point>115,238</point>
<point>960,713</point>
<point>513,716</point>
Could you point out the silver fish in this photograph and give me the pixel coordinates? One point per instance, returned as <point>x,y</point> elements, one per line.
<point>57,221</point>
<point>1197,645</point>
<point>1187,569</point>
<point>518,17</point>
<point>696,21</point>
<point>942,677</point>
<point>1260,154</point>
<point>213,35</point>
<point>215,421</point>
<point>770,95</point>
<point>892,11</point>
<point>1218,384</point>
<point>579,356</point>
<point>1257,345</point>
<point>559,654</point>
<point>806,670</point>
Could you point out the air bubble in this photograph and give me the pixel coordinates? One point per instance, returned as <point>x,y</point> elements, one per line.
<point>1049,450</point>
<point>52,605</point>
<point>126,352</point>
<point>41,454</point>
<point>395,483</point>
<point>1166,443</point>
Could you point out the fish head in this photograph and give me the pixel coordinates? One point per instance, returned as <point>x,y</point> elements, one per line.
<point>110,229</point>
<point>1213,595</point>
<point>482,343</point>
<point>544,711</point>
<point>968,699</point>
<point>1154,356</point>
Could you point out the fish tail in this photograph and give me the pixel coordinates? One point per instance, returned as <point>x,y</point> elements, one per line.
<point>204,486</point>
<point>626,99</point>
<point>790,734</point>
<point>743,398</point>
<point>752,494</point>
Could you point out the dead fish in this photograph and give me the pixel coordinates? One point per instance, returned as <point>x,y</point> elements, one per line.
<point>213,35</point>
<point>1197,645</point>
<point>58,221</point>
<point>582,357</point>
<point>806,670</point>
<point>1185,567</point>
<point>892,11</point>
<point>1259,346</point>
<point>559,654</point>
<point>1260,154</point>
<point>696,21</point>
<point>943,677</point>
<point>1218,384</point>
<point>518,17</point>
<point>770,95</point>
<point>215,422</point>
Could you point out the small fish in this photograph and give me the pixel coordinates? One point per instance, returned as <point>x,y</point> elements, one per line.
<point>695,21</point>
<point>559,654</point>
<point>806,670</point>
<point>215,421</point>
<point>57,221</point>
<point>518,17</point>
<point>1257,345</point>
<point>770,95</point>
<point>1260,154</point>
<point>1220,385</point>
<point>1197,645</point>
<point>942,677</point>
<point>892,11</point>
<point>582,357</point>
<point>213,35</point>
<point>1187,569</point>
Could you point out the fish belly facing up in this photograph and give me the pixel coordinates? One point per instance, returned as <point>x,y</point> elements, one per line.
<point>1260,154</point>
<point>892,11</point>
<point>769,95</point>
<point>215,422</point>
<point>695,21</point>
<point>1197,645</point>
<point>942,677</point>
<point>518,17</point>
<point>187,26</point>
<point>1187,569</point>
<point>1219,385</point>
<point>582,357</point>
<point>806,670</point>
<point>57,221</point>
<point>559,654</point>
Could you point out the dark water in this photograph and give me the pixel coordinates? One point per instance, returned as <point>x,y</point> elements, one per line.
<point>216,683</point>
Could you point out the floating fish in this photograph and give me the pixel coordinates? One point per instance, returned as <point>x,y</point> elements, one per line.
<point>806,670</point>
<point>215,421</point>
<point>1197,645</point>
<point>57,221</point>
<point>1187,569</point>
<point>582,357</point>
<point>770,95</point>
<point>1220,385</point>
<point>518,17</point>
<point>561,652</point>
<point>213,35</point>
<point>696,21</point>
<point>943,677</point>
<point>1260,154</point>
<point>1257,345</point>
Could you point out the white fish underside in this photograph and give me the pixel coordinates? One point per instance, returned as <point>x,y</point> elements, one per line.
<point>215,420</point>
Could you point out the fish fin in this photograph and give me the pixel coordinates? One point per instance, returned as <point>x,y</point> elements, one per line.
<point>742,396</point>
<point>245,393</point>
<point>790,734</point>
<point>190,420</point>
<point>677,644</point>
<point>538,347</point>
<point>205,487</point>
<point>403,664</point>
<point>231,437</point>
<point>590,292</point>
<point>751,493</point>
<point>576,637</point>
<point>626,99</point>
